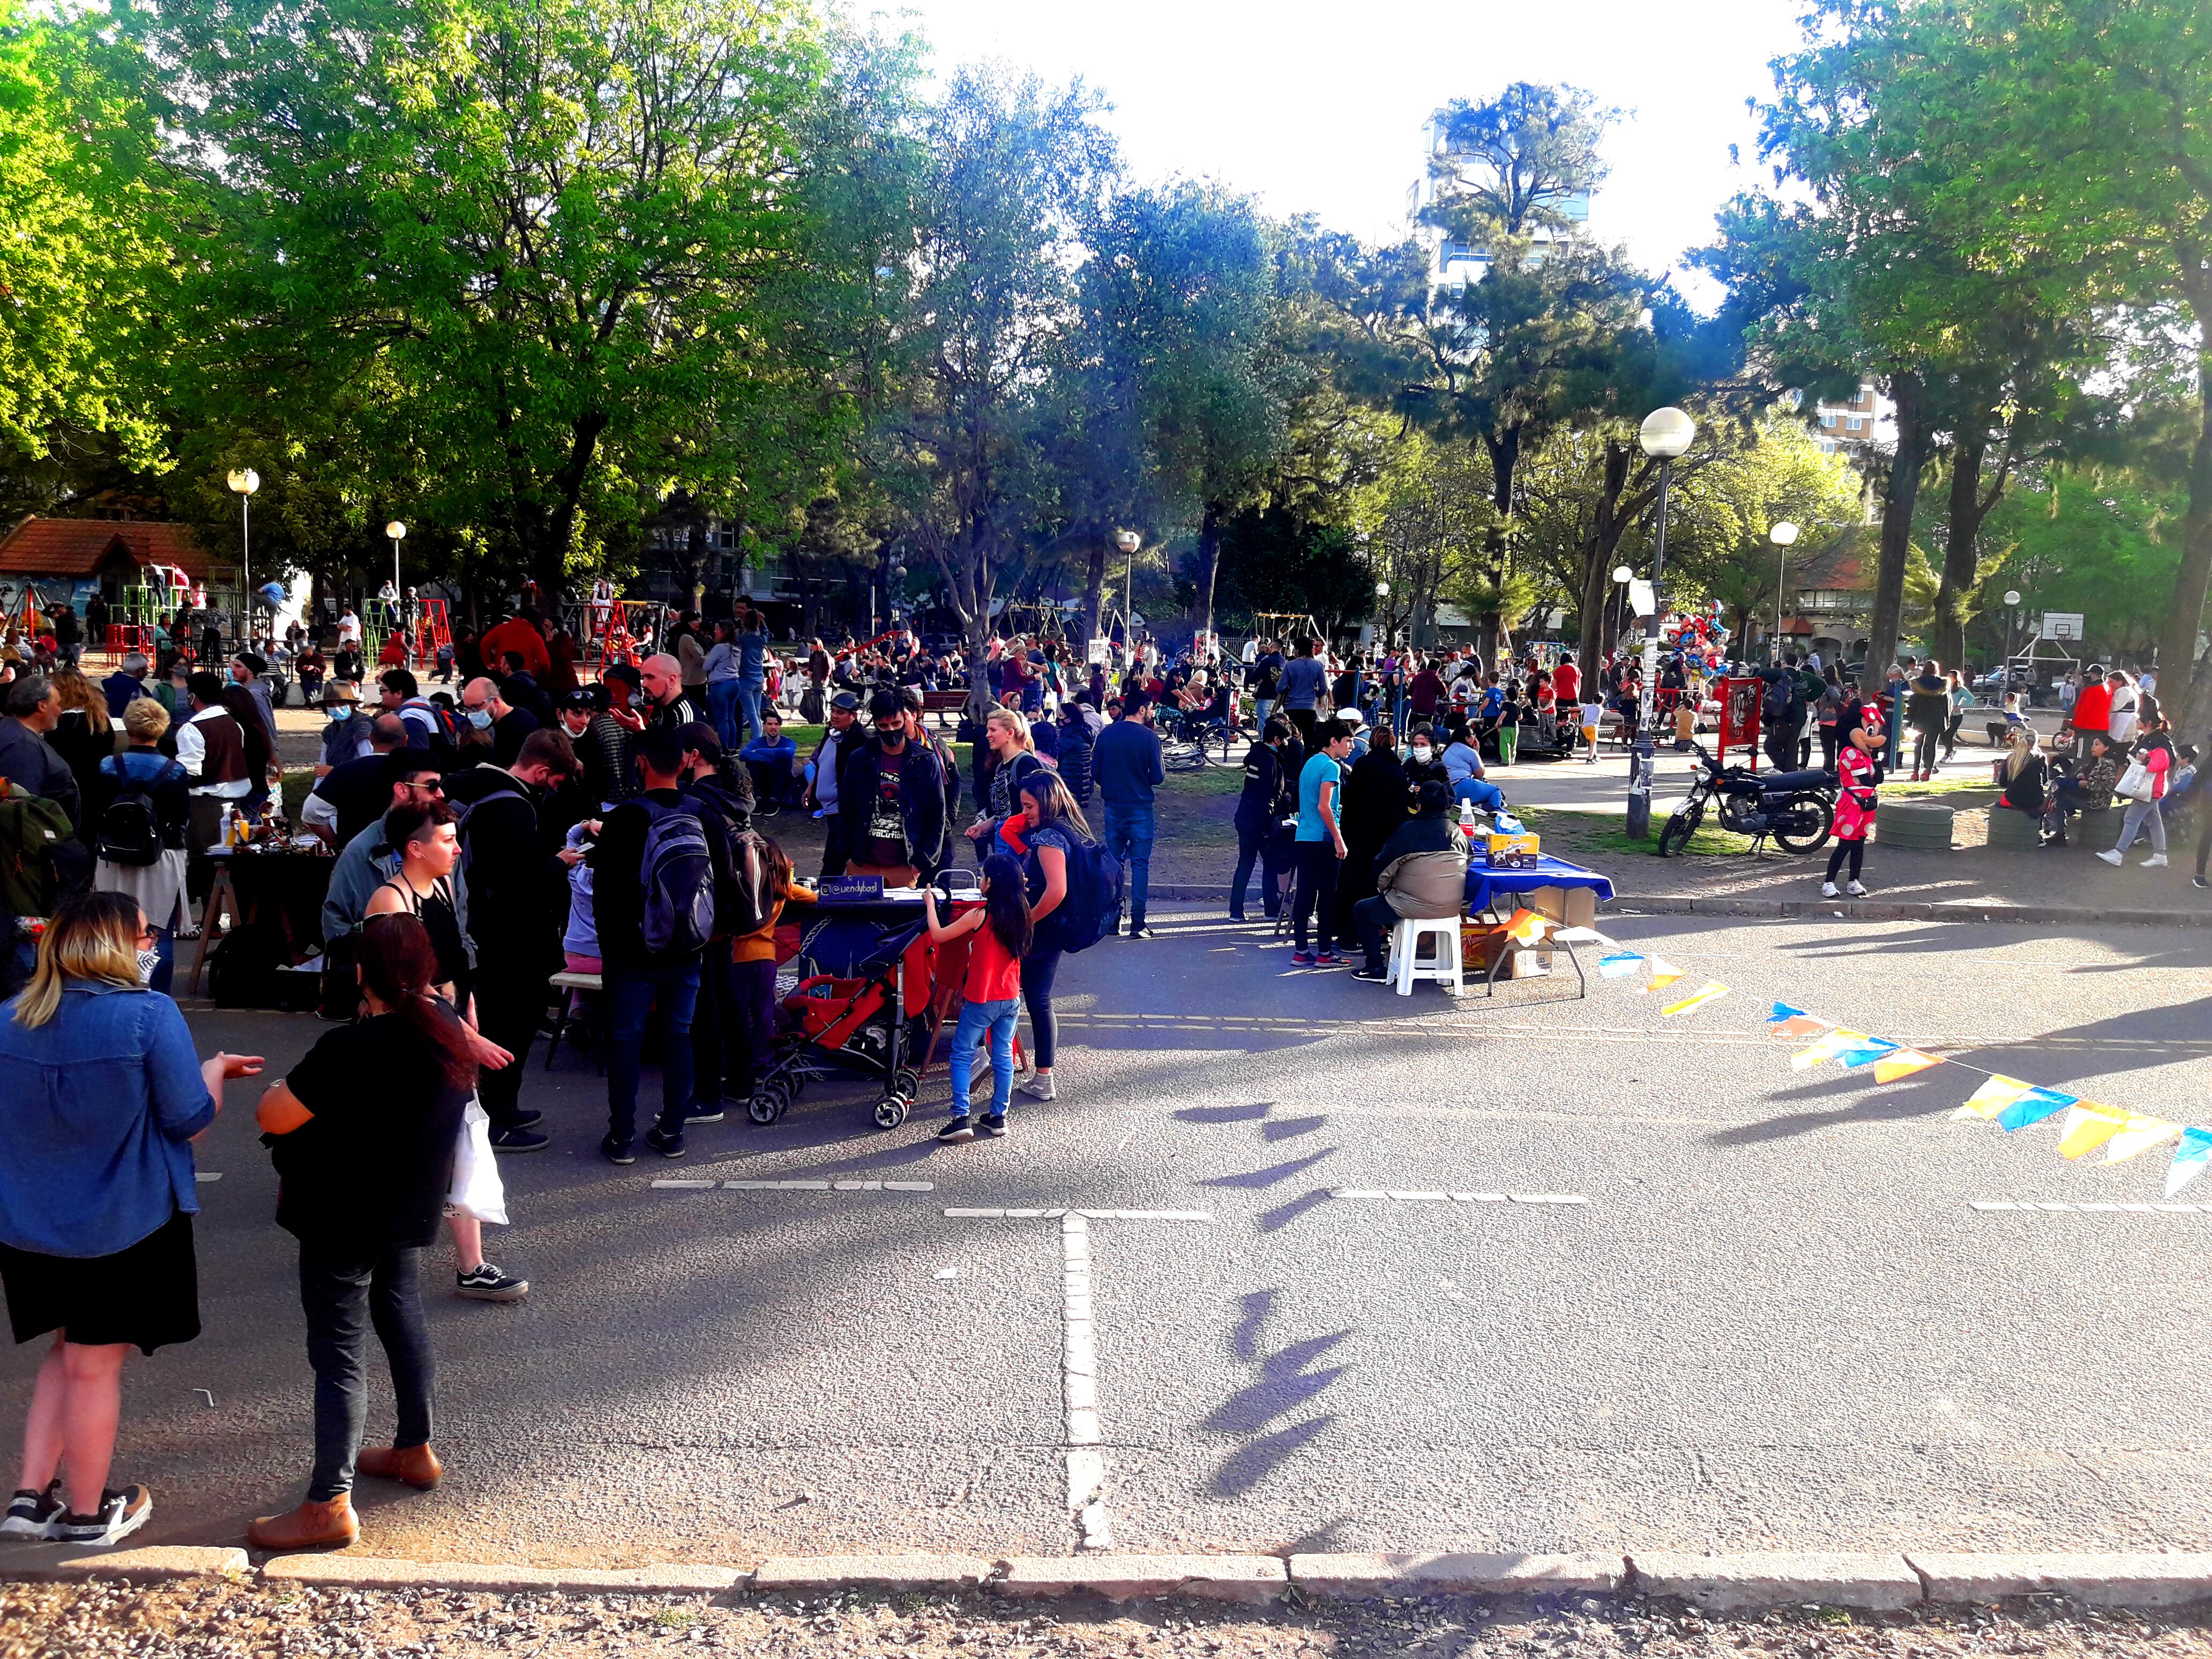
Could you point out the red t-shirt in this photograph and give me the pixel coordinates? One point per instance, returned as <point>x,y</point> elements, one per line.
<point>2092,707</point>
<point>1566,681</point>
<point>519,636</point>
<point>994,976</point>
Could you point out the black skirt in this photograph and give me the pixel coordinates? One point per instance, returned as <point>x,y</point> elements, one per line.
<point>146,1296</point>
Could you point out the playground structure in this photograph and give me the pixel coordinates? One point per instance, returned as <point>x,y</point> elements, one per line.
<point>407,632</point>
<point>613,629</point>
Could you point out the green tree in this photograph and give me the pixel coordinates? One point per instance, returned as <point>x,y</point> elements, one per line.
<point>86,278</point>
<point>537,251</point>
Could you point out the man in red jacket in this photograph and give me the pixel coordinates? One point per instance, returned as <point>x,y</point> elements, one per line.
<point>2092,709</point>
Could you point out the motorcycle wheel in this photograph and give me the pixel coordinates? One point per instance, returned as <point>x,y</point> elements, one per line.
<point>1822,812</point>
<point>1676,836</point>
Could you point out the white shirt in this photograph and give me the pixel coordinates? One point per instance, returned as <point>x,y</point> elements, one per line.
<point>192,755</point>
<point>348,630</point>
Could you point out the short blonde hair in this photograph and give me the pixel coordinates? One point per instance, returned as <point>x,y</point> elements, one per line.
<point>144,721</point>
<point>94,937</point>
<point>1016,722</point>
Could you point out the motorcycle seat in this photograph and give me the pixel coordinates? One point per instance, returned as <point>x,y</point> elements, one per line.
<point>1772,781</point>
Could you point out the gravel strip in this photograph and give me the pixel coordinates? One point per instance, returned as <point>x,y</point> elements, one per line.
<point>215,1620</point>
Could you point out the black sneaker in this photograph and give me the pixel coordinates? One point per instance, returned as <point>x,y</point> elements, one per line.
<point>34,1515</point>
<point>668,1146</point>
<point>524,1120</point>
<point>2199,881</point>
<point>956,1130</point>
<point>519,1140</point>
<point>618,1151</point>
<point>702,1113</point>
<point>1372,975</point>
<point>120,1515</point>
<point>487,1282</point>
<point>994,1125</point>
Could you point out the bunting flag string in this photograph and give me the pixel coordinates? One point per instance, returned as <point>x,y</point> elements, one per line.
<point>2009,1102</point>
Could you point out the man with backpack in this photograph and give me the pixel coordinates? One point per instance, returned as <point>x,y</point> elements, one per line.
<point>429,726</point>
<point>516,888</point>
<point>722,796</point>
<point>653,897</point>
<point>1782,711</point>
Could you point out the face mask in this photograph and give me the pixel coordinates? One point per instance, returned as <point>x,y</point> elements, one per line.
<point>479,718</point>
<point>147,962</point>
<point>1422,751</point>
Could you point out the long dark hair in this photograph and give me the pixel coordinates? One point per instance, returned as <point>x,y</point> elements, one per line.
<point>397,966</point>
<point>1006,906</point>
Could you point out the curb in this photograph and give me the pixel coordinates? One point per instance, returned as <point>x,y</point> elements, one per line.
<point>1673,904</point>
<point>1713,1584</point>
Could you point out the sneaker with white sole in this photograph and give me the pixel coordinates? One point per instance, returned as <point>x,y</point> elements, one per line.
<point>120,1515</point>
<point>2155,861</point>
<point>34,1515</point>
<point>956,1130</point>
<point>2110,856</point>
<point>487,1282</point>
<point>1828,889</point>
<point>1855,889</point>
<point>1040,1087</point>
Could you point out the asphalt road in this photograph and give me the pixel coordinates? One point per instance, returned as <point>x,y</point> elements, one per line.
<point>1775,1323</point>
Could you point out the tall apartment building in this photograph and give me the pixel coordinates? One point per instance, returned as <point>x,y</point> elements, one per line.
<point>1454,263</point>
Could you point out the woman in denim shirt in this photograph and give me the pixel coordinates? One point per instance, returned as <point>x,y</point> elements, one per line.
<point>101,1096</point>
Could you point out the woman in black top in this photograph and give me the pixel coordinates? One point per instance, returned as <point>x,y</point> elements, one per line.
<point>363,1131</point>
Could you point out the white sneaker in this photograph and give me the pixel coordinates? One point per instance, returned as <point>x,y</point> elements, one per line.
<point>1040,1088</point>
<point>2111,856</point>
<point>1856,890</point>
<point>2155,861</point>
<point>1827,890</point>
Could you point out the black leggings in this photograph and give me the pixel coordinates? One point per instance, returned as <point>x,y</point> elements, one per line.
<point>345,1295</point>
<point>1857,849</point>
<point>1038,969</point>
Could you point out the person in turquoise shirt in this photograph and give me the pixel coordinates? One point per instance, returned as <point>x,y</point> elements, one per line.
<point>1319,845</point>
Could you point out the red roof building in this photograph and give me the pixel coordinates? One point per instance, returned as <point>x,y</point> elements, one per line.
<point>100,551</point>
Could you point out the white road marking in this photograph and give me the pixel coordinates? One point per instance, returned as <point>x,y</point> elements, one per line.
<point>1092,1215</point>
<point>683,1185</point>
<point>1396,1196</point>
<point>2090,1209</point>
<point>206,1174</point>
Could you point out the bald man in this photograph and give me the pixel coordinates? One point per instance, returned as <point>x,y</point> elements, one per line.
<point>485,708</point>
<point>663,677</point>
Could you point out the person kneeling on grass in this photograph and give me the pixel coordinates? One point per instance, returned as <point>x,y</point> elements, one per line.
<point>1419,874</point>
<point>999,932</point>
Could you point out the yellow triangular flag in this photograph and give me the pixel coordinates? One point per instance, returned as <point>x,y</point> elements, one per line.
<point>1713,991</point>
<point>2138,1136</point>
<point>1525,926</point>
<point>1827,1048</point>
<point>2087,1127</point>
<point>1663,973</point>
<point>1903,1063</point>
<point>1993,1098</point>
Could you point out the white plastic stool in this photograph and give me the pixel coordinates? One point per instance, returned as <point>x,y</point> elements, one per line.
<point>1405,967</point>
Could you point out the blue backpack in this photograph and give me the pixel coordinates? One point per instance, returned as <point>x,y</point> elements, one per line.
<point>678,871</point>
<point>1093,904</point>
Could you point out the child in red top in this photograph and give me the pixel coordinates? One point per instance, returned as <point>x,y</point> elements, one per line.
<point>1855,804</point>
<point>999,931</point>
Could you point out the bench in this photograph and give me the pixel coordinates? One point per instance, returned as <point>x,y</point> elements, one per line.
<point>941,703</point>
<point>569,984</point>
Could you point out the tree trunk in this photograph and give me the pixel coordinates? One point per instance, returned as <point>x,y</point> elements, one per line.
<point>1597,557</point>
<point>1898,501</point>
<point>1209,561</point>
<point>2184,696</point>
<point>1963,537</point>
<point>1094,588</point>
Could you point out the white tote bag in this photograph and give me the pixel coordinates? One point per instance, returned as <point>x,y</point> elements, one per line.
<point>2136,783</point>
<point>476,1188</point>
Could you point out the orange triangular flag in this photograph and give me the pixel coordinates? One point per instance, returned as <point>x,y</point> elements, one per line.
<point>1663,973</point>
<point>1902,1063</point>
<point>1525,926</point>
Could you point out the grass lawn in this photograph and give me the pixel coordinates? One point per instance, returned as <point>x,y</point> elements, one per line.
<point>1569,832</point>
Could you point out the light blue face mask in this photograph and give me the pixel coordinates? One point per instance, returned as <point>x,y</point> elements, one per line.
<point>479,718</point>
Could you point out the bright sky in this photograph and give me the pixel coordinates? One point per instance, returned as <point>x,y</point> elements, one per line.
<point>1318,107</point>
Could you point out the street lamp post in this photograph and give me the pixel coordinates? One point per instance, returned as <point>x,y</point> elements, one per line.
<point>1128,541</point>
<point>1783,536</point>
<point>397,533</point>
<point>244,480</point>
<point>1665,435</point>
<point>2011,623</point>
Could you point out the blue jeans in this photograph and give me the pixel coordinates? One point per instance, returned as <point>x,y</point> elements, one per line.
<point>630,994</point>
<point>722,708</point>
<point>749,699</point>
<point>976,1019</point>
<point>1483,793</point>
<point>1129,841</point>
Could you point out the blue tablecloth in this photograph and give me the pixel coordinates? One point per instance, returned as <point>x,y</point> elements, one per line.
<point>1485,884</point>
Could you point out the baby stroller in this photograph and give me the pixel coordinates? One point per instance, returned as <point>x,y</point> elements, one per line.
<point>873,998</point>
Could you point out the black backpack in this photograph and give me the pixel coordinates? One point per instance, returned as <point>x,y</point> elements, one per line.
<point>1092,908</point>
<point>1774,707</point>
<point>130,828</point>
<point>679,875</point>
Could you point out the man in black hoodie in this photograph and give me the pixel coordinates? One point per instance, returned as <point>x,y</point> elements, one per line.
<point>518,892</point>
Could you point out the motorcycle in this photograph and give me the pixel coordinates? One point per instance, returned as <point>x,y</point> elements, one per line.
<point>1796,810</point>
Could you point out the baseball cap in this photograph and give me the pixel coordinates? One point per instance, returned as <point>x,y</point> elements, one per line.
<point>846,700</point>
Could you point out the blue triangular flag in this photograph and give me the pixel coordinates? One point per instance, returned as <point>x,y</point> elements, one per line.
<point>2190,1159</point>
<point>1867,1053</point>
<point>1618,964</point>
<point>1783,1011</point>
<point>2033,1107</point>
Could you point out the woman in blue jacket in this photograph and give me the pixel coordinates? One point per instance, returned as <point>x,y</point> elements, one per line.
<point>101,1098</point>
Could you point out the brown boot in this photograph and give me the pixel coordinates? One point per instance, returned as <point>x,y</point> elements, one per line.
<point>417,1466</point>
<point>312,1526</point>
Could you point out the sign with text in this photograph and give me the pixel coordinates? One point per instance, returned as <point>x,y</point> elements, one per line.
<point>851,890</point>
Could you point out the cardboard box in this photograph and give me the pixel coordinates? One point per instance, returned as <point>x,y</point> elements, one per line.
<point>1510,851</point>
